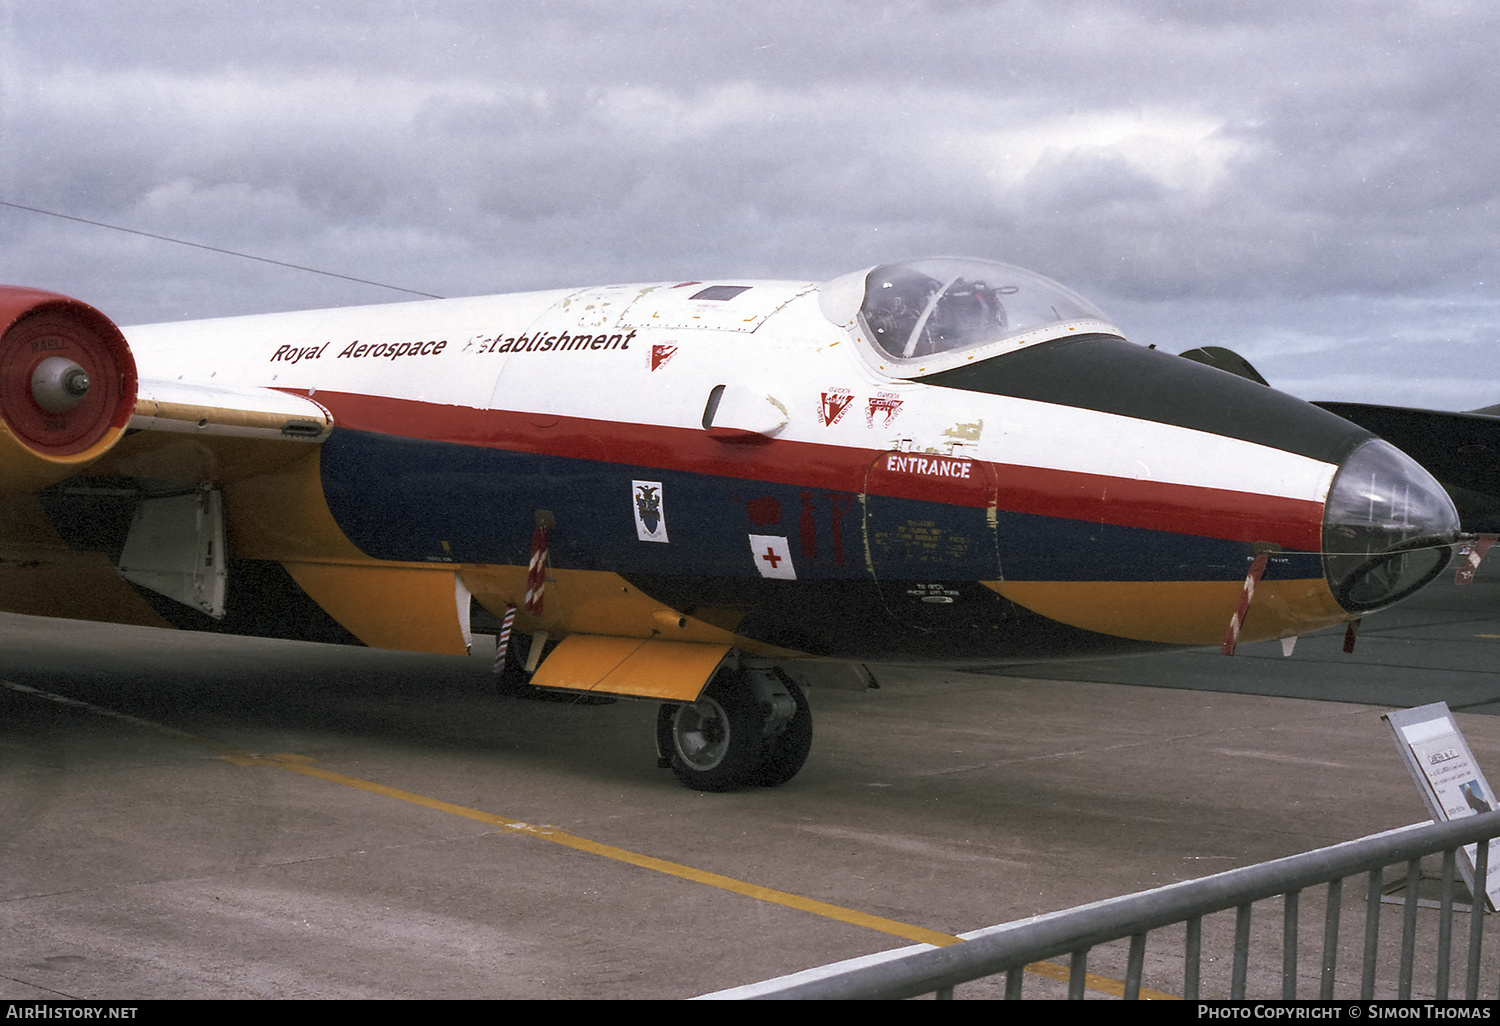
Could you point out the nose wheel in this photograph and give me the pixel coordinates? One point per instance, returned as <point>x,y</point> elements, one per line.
<point>748,727</point>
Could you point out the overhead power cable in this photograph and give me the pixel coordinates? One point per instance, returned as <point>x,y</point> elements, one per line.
<point>216,249</point>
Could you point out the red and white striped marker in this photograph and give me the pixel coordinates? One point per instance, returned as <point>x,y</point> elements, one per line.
<point>1470,555</point>
<point>1236,621</point>
<point>502,643</point>
<point>536,572</point>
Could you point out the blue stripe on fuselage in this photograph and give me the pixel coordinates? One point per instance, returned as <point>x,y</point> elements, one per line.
<point>411,500</point>
<point>419,501</point>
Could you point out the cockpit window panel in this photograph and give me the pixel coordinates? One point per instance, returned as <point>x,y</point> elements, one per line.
<point>940,306</point>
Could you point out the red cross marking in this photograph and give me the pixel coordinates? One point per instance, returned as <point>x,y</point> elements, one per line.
<point>771,557</point>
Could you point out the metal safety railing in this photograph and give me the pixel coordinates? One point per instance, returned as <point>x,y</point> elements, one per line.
<point>1075,933</point>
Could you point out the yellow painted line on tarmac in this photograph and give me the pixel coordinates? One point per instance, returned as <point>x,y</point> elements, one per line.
<point>1102,984</point>
<point>298,764</point>
<point>306,767</point>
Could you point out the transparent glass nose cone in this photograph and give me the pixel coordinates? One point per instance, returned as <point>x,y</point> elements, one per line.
<point>1388,528</point>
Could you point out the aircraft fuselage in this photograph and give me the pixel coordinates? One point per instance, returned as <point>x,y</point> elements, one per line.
<point>942,460</point>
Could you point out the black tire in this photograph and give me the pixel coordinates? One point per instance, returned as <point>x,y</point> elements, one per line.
<point>782,756</point>
<point>715,743</point>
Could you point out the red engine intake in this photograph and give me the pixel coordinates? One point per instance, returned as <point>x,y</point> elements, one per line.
<point>67,386</point>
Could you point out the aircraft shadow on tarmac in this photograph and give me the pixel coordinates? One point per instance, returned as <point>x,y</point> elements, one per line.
<point>276,695</point>
<point>1443,644</point>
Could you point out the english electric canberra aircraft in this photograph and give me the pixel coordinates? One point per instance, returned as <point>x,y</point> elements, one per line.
<point>700,493</point>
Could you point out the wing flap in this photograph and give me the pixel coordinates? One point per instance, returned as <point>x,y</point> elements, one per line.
<point>675,671</point>
<point>413,608</point>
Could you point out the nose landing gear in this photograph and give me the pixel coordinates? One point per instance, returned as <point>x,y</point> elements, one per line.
<point>748,727</point>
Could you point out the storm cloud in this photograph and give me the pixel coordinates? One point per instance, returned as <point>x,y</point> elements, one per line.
<point>1312,185</point>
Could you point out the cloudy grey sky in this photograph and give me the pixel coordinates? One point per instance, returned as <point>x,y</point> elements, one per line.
<point>1314,185</point>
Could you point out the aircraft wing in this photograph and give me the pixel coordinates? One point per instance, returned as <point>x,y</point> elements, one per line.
<point>210,412</point>
<point>109,480</point>
<point>133,494</point>
<point>1461,450</point>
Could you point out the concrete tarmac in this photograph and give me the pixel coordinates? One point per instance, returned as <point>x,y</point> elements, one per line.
<point>231,818</point>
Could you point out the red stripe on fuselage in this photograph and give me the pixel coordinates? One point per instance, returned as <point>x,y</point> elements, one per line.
<point>1094,498</point>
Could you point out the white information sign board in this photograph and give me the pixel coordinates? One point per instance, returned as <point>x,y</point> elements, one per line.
<point>1450,780</point>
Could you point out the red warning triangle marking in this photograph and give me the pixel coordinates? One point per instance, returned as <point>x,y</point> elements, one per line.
<point>834,405</point>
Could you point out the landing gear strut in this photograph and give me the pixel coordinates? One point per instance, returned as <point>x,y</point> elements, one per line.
<point>748,727</point>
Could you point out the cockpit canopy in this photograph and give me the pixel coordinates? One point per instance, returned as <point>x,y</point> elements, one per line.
<point>920,308</point>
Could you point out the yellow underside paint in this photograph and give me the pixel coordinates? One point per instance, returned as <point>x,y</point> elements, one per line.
<point>275,510</point>
<point>82,586</point>
<point>385,605</point>
<point>1179,612</point>
<point>23,470</point>
<point>641,668</point>
<point>280,513</point>
<point>170,456</point>
<point>41,576</point>
<point>597,602</point>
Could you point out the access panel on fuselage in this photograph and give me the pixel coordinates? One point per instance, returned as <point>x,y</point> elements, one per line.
<point>930,536</point>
